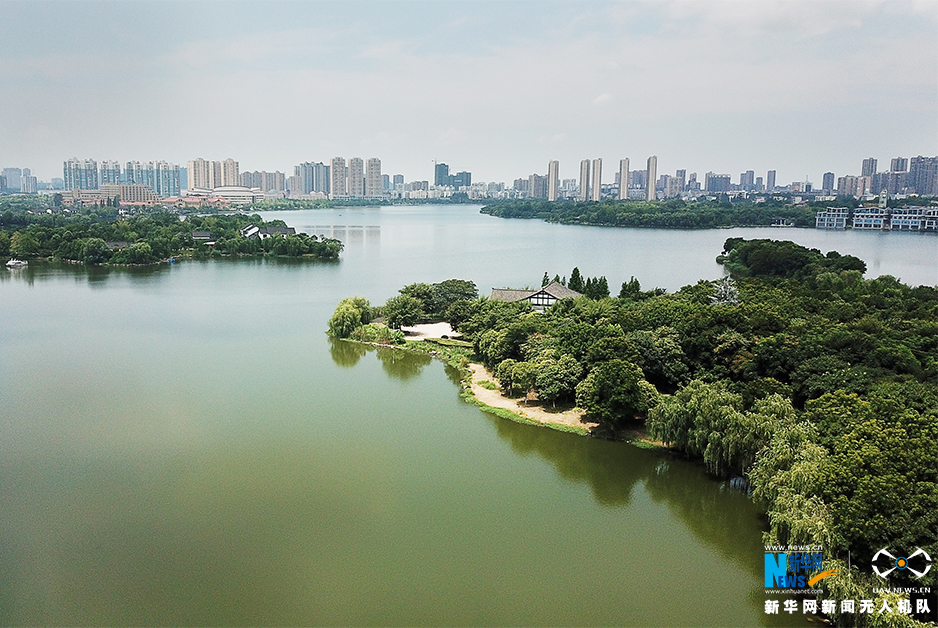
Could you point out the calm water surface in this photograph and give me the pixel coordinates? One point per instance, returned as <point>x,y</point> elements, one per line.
<point>184,445</point>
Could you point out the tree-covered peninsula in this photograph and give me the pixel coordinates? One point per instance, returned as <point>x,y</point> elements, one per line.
<point>817,386</point>
<point>100,235</point>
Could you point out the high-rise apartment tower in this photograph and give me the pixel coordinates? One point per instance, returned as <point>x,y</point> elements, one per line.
<point>584,180</point>
<point>651,178</point>
<point>230,174</point>
<point>682,175</point>
<point>624,179</point>
<point>80,174</point>
<point>14,178</point>
<point>923,175</point>
<point>440,174</point>
<point>373,183</point>
<point>597,191</point>
<point>553,179</point>
<point>339,183</point>
<point>356,176</point>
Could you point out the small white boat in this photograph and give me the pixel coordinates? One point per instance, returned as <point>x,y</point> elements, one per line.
<point>16,263</point>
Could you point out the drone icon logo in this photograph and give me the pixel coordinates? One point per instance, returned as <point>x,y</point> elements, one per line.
<point>901,562</point>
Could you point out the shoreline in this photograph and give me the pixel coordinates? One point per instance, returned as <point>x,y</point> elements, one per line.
<point>494,402</point>
<point>571,420</point>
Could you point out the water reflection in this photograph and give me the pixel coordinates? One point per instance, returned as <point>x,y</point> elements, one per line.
<point>98,276</point>
<point>93,275</point>
<point>400,364</point>
<point>256,261</point>
<point>356,234</point>
<point>353,234</point>
<point>453,374</point>
<point>601,464</point>
<point>346,353</point>
<point>723,518</point>
<point>715,513</point>
<point>18,274</point>
<point>301,261</point>
<point>397,363</point>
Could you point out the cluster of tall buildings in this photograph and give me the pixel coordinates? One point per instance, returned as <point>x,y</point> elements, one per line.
<point>916,175</point>
<point>265,181</point>
<point>310,178</point>
<point>443,178</point>
<point>589,186</point>
<point>208,175</point>
<point>21,180</point>
<point>163,178</point>
<point>356,179</point>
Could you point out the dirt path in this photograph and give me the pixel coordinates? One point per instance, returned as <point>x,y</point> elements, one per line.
<point>494,398</point>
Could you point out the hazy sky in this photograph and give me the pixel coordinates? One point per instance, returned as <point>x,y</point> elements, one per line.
<point>496,88</point>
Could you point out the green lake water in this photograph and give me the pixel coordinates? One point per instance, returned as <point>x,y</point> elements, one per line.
<point>183,445</point>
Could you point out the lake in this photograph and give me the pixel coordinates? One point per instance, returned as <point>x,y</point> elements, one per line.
<point>184,445</point>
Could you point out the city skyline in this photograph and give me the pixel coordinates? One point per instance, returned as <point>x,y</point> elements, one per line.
<point>915,175</point>
<point>727,87</point>
<point>745,179</point>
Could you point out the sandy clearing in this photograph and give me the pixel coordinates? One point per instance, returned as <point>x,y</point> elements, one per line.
<point>429,330</point>
<point>572,418</point>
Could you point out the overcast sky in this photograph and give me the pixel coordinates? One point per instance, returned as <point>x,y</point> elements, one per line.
<point>496,88</point>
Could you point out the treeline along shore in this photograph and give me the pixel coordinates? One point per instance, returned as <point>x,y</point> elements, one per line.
<point>671,214</point>
<point>101,235</point>
<point>817,386</point>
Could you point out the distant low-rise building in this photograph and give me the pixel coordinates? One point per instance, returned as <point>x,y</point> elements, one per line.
<point>870,218</point>
<point>131,193</point>
<point>832,218</point>
<point>233,194</point>
<point>907,219</point>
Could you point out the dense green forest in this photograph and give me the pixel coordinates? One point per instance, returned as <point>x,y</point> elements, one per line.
<point>672,214</point>
<point>814,384</point>
<point>84,236</point>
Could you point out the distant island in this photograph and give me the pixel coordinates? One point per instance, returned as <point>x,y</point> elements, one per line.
<point>104,235</point>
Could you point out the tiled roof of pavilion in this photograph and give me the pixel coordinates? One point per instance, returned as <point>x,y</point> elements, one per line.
<point>554,289</point>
